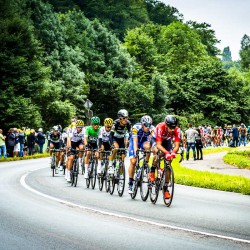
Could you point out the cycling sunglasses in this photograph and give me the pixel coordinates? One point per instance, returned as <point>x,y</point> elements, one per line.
<point>147,125</point>
<point>95,124</point>
<point>108,127</point>
<point>123,118</point>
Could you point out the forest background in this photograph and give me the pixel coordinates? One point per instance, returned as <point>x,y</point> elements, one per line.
<point>132,54</point>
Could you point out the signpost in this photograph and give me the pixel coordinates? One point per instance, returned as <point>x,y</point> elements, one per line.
<point>89,113</point>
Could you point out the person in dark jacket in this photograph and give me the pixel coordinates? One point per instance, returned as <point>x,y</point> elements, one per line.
<point>40,139</point>
<point>31,139</point>
<point>11,140</point>
<point>21,141</point>
<point>235,134</point>
<point>198,145</point>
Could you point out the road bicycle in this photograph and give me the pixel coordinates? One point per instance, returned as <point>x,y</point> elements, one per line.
<point>103,176</point>
<point>141,175</point>
<point>118,178</point>
<point>161,183</point>
<point>53,161</point>
<point>74,172</point>
<point>92,169</point>
<point>64,159</point>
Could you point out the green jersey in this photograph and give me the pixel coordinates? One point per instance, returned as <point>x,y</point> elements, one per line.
<point>92,134</point>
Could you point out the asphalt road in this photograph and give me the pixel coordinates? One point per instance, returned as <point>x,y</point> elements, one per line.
<point>38,211</point>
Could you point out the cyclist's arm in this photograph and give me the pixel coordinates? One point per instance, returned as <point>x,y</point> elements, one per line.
<point>176,146</point>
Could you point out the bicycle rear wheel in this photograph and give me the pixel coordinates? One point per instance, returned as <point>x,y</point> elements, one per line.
<point>93,174</point>
<point>144,187</point>
<point>88,179</point>
<point>121,179</point>
<point>169,186</point>
<point>154,189</point>
<point>53,165</point>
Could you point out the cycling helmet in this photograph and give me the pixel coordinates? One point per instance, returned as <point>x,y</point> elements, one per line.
<point>171,121</point>
<point>108,122</point>
<point>95,120</point>
<point>146,119</point>
<point>79,123</point>
<point>123,113</point>
<point>55,128</point>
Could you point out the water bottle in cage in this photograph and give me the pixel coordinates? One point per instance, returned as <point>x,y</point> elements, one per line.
<point>159,173</point>
<point>138,173</point>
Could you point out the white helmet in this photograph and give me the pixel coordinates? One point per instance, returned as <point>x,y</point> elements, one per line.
<point>123,113</point>
<point>146,119</point>
<point>55,128</point>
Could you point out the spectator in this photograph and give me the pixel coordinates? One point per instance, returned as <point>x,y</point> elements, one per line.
<point>190,135</point>
<point>11,139</point>
<point>17,144</point>
<point>40,139</point>
<point>2,145</point>
<point>235,134</point>
<point>198,145</point>
<point>31,139</point>
<point>21,138</point>
<point>243,134</point>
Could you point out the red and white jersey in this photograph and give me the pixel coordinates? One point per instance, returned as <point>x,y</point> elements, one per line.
<point>162,134</point>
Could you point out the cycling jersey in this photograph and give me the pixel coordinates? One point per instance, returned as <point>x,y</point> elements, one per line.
<point>55,138</point>
<point>92,134</point>
<point>163,135</point>
<point>120,131</point>
<point>76,137</point>
<point>104,136</point>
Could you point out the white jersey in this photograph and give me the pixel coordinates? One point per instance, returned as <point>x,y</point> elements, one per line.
<point>76,137</point>
<point>104,135</point>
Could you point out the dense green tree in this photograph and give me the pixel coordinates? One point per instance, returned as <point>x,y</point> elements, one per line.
<point>161,13</point>
<point>207,37</point>
<point>245,52</point>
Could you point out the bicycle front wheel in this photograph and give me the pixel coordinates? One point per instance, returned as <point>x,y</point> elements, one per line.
<point>144,189</point>
<point>93,174</point>
<point>121,179</point>
<point>76,169</point>
<point>53,165</point>
<point>88,179</point>
<point>168,185</point>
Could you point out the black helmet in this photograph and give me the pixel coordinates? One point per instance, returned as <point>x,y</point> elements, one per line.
<point>171,121</point>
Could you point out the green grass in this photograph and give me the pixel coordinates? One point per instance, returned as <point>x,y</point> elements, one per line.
<point>205,179</point>
<point>240,159</point>
<point>35,156</point>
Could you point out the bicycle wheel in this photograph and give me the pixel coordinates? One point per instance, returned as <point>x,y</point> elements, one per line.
<point>53,165</point>
<point>135,183</point>
<point>107,178</point>
<point>169,186</point>
<point>88,179</point>
<point>101,178</point>
<point>93,174</point>
<point>76,170</point>
<point>154,189</point>
<point>121,179</point>
<point>112,180</point>
<point>144,184</point>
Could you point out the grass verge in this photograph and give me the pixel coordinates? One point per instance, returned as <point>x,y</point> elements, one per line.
<point>240,159</point>
<point>35,156</point>
<point>205,179</point>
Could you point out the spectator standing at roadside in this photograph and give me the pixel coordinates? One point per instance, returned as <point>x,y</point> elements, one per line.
<point>190,135</point>
<point>21,139</point>
<point>17,144</point>
<point>243,134</point>
<point>40,139</point>
<point>235,134</point>
<point>198,145</point>
<point>31,138</point>
<point>2,145</point>
<point>11,138</point>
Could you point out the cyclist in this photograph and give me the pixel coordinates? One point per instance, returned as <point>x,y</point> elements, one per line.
<point>91,139</point>
<point>63,145</point>
<point>141,138</point>
<point>104,141</point>
<point>165,133</point>
<point>75,141</point>
<point>119,135</point>
<point>55,138</point>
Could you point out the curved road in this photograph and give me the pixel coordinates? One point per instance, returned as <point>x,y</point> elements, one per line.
<point>38,211</point>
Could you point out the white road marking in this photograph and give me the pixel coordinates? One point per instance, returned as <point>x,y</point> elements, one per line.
<point>26,186</point>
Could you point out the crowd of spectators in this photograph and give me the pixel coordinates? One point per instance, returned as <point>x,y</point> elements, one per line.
<point>206,136</point>
<point>21,142</point>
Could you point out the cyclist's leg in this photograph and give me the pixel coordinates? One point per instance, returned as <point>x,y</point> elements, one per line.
<point>147,147</point>
<point>131,170</point>
<point>111,160</point>
<point>86,161</point>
